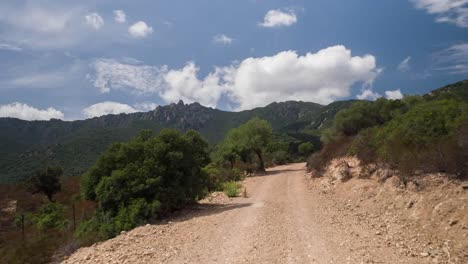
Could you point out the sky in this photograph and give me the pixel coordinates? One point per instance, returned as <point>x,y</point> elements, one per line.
<point>73,60</point>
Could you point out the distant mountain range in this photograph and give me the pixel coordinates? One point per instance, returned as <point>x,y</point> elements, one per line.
<point>75,145</point>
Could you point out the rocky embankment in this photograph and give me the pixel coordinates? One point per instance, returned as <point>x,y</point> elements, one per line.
<point>350,215</point>
<point>425,218</point>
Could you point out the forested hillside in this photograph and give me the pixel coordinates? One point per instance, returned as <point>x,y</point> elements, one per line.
<point>415,134</point>
<point>75,145</point>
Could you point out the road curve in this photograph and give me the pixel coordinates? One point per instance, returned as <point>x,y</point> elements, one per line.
<point>279,222</point>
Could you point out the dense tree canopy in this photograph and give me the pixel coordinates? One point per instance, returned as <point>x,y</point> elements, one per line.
<point>257,134</point>
<point>148,175</point>
<point>365,114</point>
<point>253,136</point>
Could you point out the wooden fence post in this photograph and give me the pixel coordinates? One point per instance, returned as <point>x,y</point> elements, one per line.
<point>22,226</point>
<point>74,216</point>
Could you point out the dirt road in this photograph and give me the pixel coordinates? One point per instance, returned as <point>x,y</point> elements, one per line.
<point>281,221</point>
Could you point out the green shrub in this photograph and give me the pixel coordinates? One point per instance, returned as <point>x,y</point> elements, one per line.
<point>425,137</point>
<point>280,157</point>
<point>50,216</point>
<point>101,226</point>
<point>306,148</point>
<point>231,188</point>
<point>218,175</point>
<point>363,146</point>
<point>366,114</point>
<point>215,176</point>
<point>319,160</point>
<point>134,181</point>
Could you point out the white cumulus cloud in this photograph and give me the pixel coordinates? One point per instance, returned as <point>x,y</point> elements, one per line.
<point>120,16</point>
<point>114,108</point>
<point>278,18</point>
<point>26,112</point>
<point>112,74</point>
<point>404,66</point>
<point>106,108</point>
<point>140,29</point>
<point>94,20</point>
<point>320,77</point>
<point>393,95</point>
<point>184,84</point>
<point>450,11</point>
<point>146,106</point>
<point>222,39</point>
<point>368,94</point>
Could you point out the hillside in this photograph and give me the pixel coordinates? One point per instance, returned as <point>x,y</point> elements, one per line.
<point>75,145</point>
<point>456,90</point>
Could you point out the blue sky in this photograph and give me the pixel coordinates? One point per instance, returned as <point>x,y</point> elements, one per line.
<point>79,59</point>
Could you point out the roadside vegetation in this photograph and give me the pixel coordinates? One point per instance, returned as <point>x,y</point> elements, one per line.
<point>133,183</point>
<point>412,134</point>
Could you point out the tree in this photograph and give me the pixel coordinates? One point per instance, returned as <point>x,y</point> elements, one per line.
<point>232,148</point>
<point>255,135</point>
<point>226,151</point>
<point>47,181</point>
<point>306,148</point>
<point>425,136</point>
<point>148,175</point>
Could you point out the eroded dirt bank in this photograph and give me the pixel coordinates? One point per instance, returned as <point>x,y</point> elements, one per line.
<point>286,218</point>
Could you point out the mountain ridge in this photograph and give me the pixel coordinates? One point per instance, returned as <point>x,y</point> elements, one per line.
<point>75,145</point>
<point>27,145</point>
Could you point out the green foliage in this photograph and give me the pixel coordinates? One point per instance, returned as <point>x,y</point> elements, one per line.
<point>253,136</point>
<point>76,145</point>
<point>422,135</point>
<point>337,148</point>
<point>231,189</point>
<point>256,134</point>
<point>101,226</point>
<point>46,181</point>
<point>218,175</point>
<point>306,148</point>
<point>280,157</point>
<point>412,134</point>
<point>50,216</point>
<point>458,91</point>
<point>148,175</point>
<point>365,114</point>
<point>423,123</point>
<point>228,150</point>
<point>28,218</point>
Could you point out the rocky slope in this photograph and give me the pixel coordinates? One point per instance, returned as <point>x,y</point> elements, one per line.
<point>287,217</point>
<point>426,218</point>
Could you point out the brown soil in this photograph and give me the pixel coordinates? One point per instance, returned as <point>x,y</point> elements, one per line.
<point>283,220</point>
